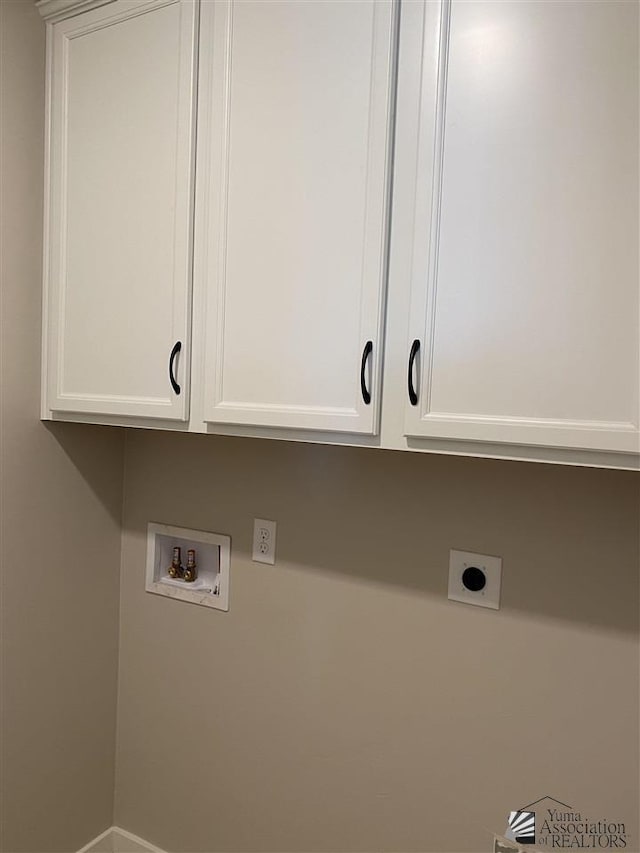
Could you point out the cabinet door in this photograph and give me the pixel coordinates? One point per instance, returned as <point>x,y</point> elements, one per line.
<point>524,301</point>
<point>294,139</point>
<point>119,225</point>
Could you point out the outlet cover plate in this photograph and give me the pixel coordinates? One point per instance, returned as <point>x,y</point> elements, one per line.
<point>491,567</point>
<point>264,541</point>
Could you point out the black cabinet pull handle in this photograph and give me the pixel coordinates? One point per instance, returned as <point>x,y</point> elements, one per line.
<point>415,349</point>
<point>366,352</point>
<point>174,352</point>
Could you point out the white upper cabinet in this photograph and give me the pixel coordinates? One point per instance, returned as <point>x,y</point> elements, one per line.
<point>293,144</point>
<point>524,282</point>
<point>510,323</point>
<point>118,244</point>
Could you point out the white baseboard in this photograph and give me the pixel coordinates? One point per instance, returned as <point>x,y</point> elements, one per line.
<point>116,840</point>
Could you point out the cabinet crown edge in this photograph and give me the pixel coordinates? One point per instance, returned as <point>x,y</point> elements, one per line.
<point>57,10</point>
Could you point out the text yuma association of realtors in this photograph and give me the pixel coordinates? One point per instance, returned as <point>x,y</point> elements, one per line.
<point>569,829</point>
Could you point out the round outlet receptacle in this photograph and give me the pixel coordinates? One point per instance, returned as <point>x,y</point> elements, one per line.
<point>474,579</point>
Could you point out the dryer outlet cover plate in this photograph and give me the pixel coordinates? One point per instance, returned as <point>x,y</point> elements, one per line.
<point>475,579</point>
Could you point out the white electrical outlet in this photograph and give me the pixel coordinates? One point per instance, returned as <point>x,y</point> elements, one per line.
<point>475,579</point>
<point>264,541</point>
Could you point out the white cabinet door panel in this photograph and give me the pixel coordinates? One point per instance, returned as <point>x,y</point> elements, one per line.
<point>525,295</point>
<point>294,145</point>
<point>120,209</point>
